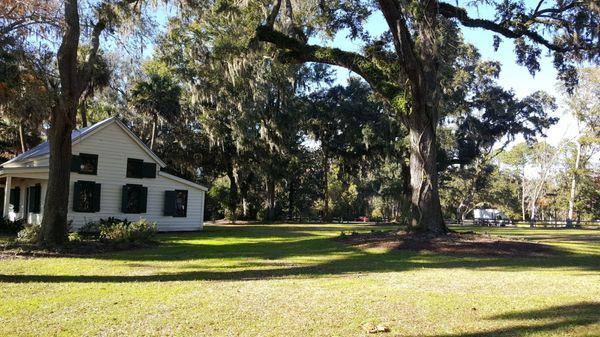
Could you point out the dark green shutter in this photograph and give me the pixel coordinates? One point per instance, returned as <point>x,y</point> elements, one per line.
<point>149,170</point>
<point>96,198</point>
<point>37,198</point>
<point>124,197</point>
<point>75,163</point>
<point>77,196</point>
<point>29,197</point>
<point>170,202</point>
<point>15,198</point>
<point>143,199</point>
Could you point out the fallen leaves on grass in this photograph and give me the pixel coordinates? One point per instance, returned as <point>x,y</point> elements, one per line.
<point>372,328</point>
<point>451,243</point>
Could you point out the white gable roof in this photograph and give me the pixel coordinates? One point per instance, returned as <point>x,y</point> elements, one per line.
<point>78,136</point>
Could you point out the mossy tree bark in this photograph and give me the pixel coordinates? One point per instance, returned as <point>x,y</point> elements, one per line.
<point>421,120</point>
<point>73,78</point>
<point>408,78</point>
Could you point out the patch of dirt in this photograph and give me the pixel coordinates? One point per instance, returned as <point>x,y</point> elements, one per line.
<point>451,243</point>
<point>24,251</point>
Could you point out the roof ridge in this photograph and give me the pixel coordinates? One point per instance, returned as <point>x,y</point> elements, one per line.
<point>44,148</point>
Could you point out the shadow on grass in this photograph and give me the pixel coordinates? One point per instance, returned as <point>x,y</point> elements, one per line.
<point>559,318</point>
<point>259,252</point>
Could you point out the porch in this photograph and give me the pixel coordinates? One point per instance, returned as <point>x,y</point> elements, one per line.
<point>22,190</point>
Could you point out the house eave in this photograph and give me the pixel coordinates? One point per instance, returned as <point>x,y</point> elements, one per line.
<point>183,181</point>
<point>20,171</point>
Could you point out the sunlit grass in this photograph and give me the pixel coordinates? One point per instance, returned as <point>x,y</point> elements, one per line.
<point>293,280</point>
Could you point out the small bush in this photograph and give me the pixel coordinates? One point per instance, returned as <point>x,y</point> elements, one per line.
<point>140,231</point>
<point>110,221</point>
<point>11,227</point>
<point>75,237</point>
<point>29,234</point>
<point>118,232</point>
<point>91,230</point>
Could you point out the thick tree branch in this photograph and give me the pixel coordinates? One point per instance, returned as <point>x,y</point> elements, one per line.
<point>461,15</point>
<point>273,15</point>
<point>297,51</point>
<point>92,57</point>
<point>397,23</point>
<point>540,12</point>
<point>88,67</point>
<point>67,54</point>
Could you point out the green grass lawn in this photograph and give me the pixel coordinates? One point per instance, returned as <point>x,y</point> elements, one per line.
<point>293,280</point>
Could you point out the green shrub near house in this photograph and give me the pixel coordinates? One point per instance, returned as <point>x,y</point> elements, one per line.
<point>29,234</point>
<point>104,232</point>
<point>114,230</point>
<point>10,227</point>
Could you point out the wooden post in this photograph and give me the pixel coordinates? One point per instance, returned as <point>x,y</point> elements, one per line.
<point>6,196</point>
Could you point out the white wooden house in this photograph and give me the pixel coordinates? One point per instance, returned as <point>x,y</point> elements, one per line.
<point>113,174</point>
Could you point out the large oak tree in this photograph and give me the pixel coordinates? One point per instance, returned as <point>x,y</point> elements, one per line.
<point>41,26</point>
<point>406,63</point>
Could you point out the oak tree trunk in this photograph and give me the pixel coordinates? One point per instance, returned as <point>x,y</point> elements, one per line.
<point>62,121</point>
<point>154,123</point>
<point>83,113</point>
<point>523,207</point>
<point>291,196</point>
<point>244,189</point>
<point>21,137</point>
<point>233,192</point>
<point>54,227</point>
<point>325,187</point>
<point>270,199</point>
<point>425,200</point>
<point>573,186</point>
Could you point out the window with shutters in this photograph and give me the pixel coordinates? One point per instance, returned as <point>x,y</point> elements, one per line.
<point>34,198</point>
<point>176,203</point>
<point>135,168</point>
<point>86,196</point>
<point>84,163</point>
<point>181,203</point>
<point>15,199</point>
<point>134,199</point>
<point>89,163</point>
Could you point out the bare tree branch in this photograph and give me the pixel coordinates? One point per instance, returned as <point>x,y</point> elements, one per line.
<point>450,11</point>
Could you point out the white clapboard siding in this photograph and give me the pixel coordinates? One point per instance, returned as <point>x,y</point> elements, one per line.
<point>113,146</point>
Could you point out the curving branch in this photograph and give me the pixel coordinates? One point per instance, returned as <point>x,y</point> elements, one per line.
<point>296,51</point>
<point>273,15</point>
<point>92,57</point>
<point>450,11</point>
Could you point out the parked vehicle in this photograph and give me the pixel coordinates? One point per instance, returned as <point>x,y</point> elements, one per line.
<point>490,217</point>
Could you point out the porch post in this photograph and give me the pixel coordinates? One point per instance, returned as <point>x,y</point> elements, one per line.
<point>6,196</point>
